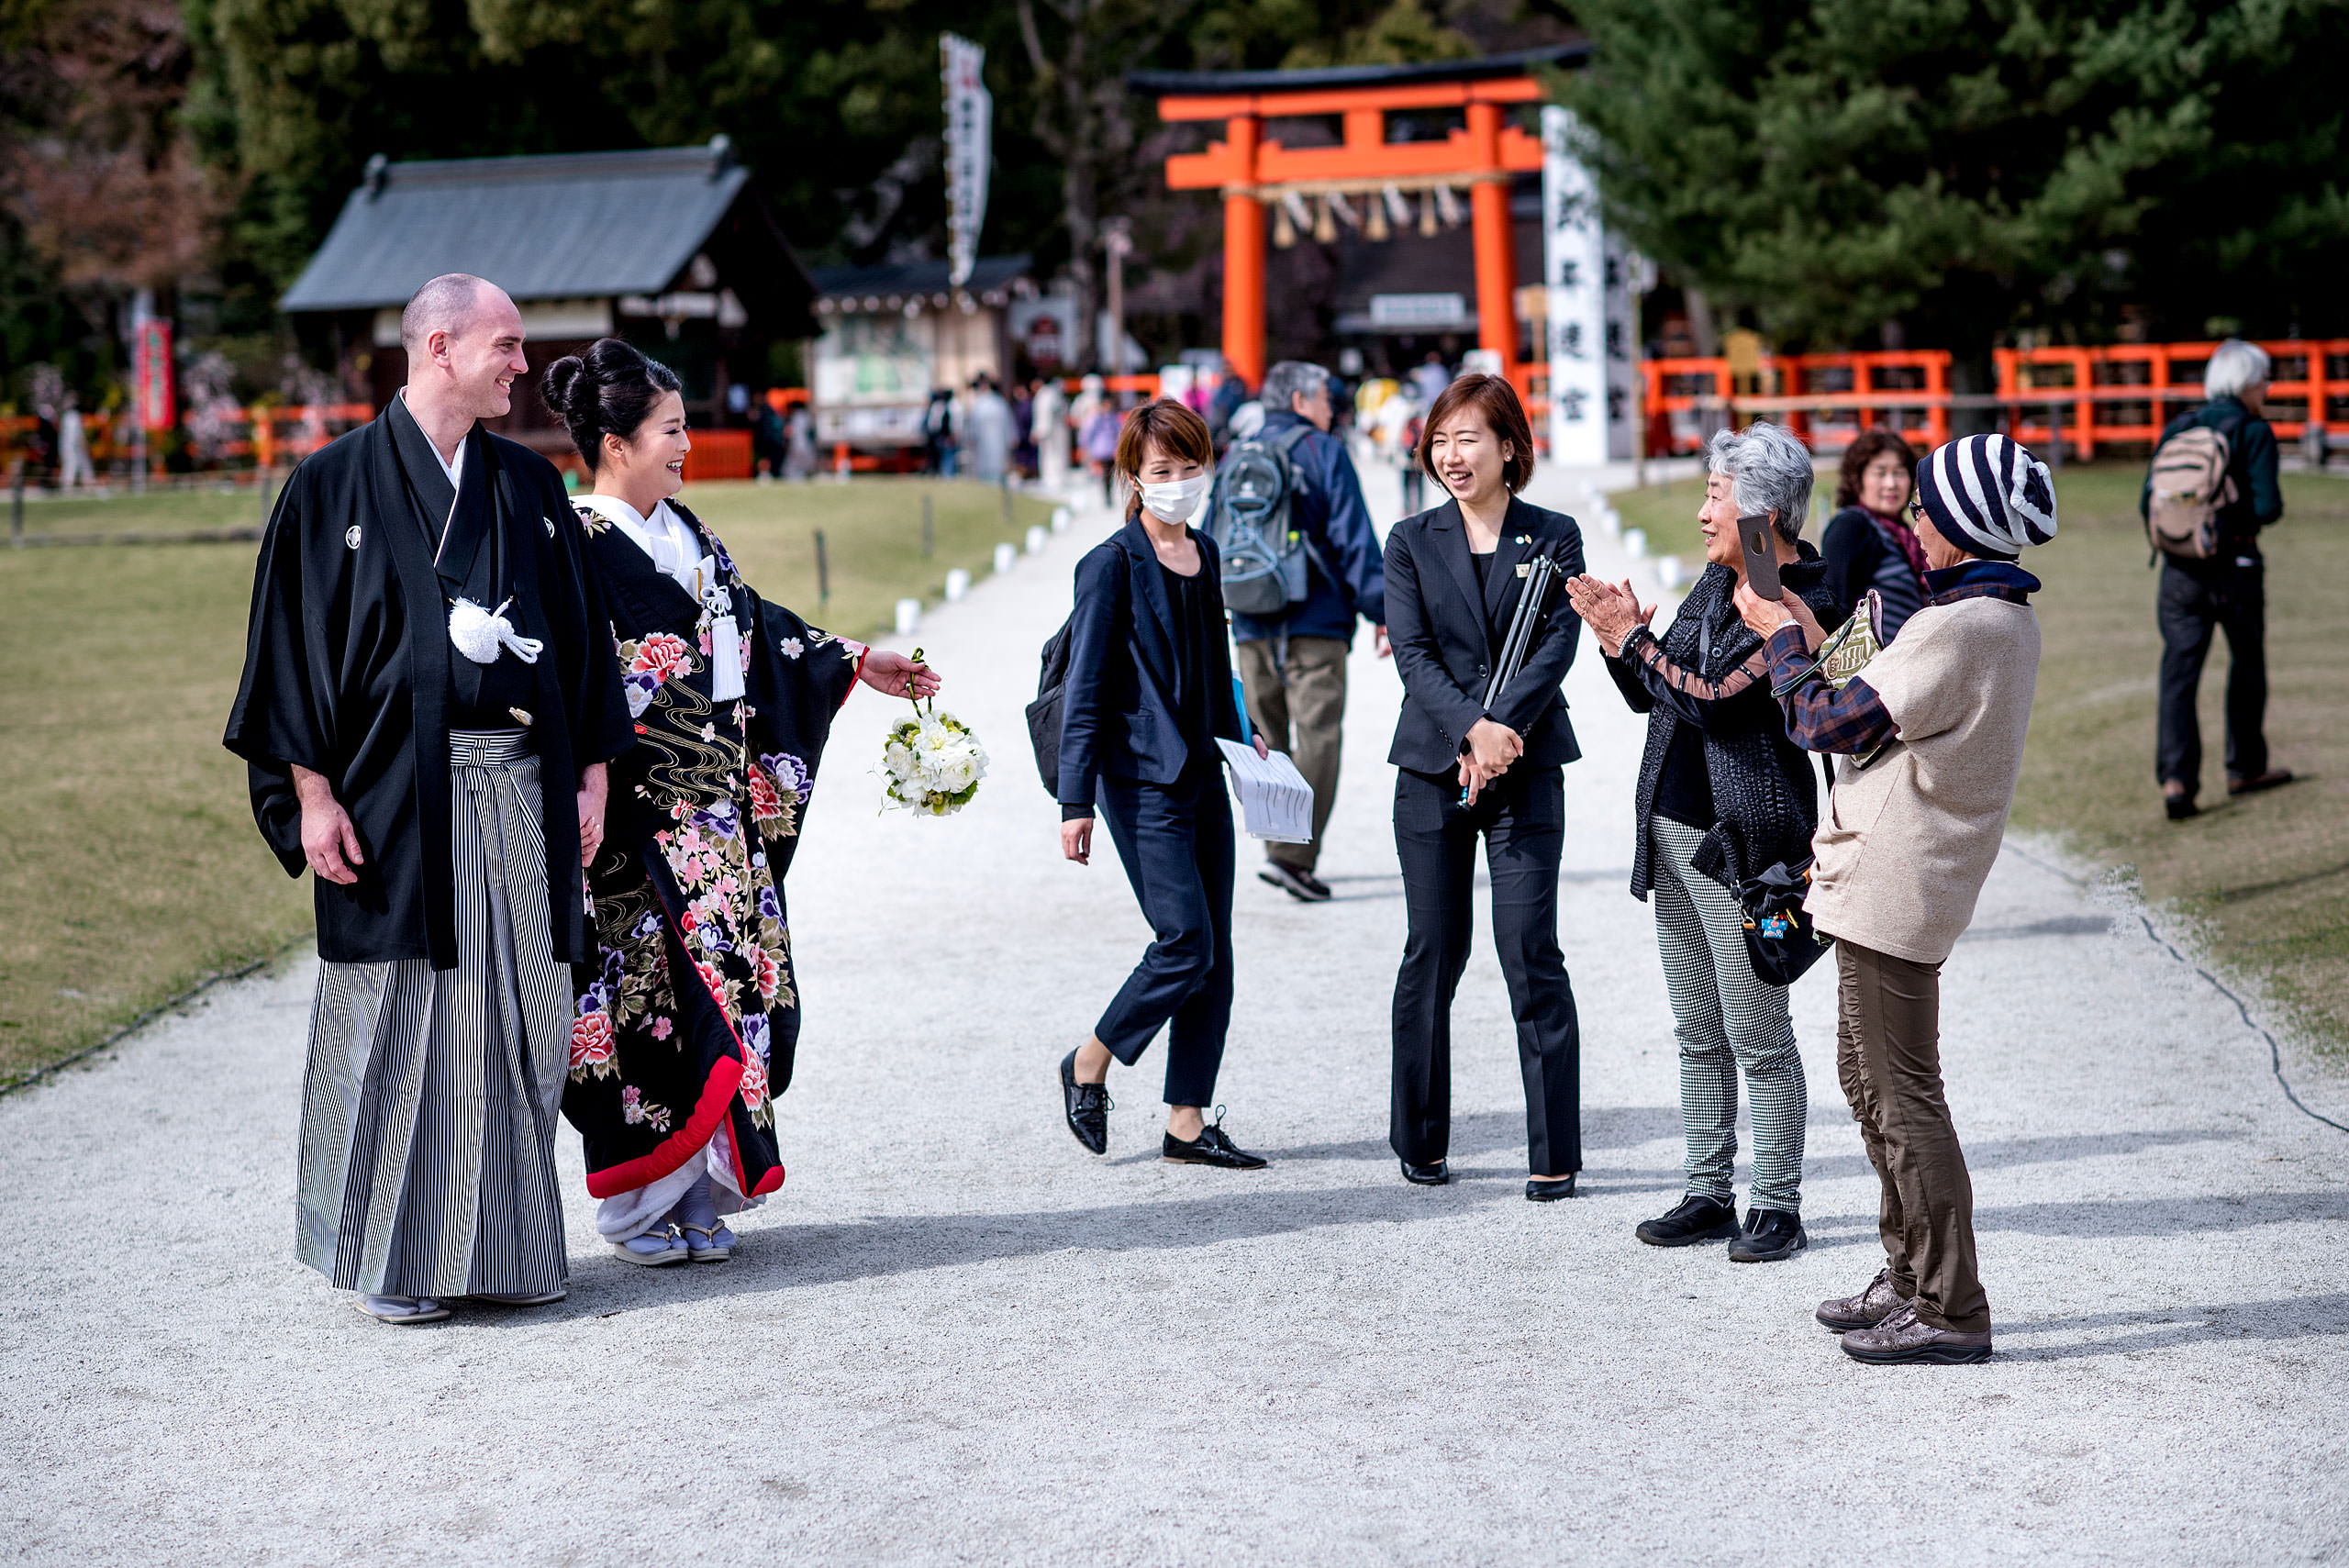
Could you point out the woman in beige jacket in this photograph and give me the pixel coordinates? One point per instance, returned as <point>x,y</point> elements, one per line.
<point>1932,731</point>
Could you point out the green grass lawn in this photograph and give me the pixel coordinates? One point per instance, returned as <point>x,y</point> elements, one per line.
<point>129,866</point>
<point>2268,875</point>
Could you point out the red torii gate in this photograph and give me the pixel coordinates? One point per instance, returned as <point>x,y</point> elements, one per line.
<point>1253,172</point>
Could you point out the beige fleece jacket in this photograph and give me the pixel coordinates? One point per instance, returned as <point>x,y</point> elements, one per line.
<point>1909,839</point>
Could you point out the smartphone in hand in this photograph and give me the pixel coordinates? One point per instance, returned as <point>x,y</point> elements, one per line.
<point>1759,542</point>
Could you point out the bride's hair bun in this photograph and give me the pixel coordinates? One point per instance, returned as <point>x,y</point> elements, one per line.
<point>610,390</point>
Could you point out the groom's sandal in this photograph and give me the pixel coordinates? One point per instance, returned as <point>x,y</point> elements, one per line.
<point>715,1246</point>
<point>518,1298</point>
<point>401,1309</point>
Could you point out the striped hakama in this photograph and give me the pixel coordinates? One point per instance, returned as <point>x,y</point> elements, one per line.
<point>429,1102</point>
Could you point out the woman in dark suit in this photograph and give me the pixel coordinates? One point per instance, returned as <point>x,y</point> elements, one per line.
<point>1453,576</point>
<point>1149,692</point>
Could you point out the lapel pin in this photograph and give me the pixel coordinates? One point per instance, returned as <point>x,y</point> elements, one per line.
<point>1524,539</point>
<point>1524,568</point>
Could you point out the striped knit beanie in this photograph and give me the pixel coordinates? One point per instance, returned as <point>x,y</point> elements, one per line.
<point>1988,495</point>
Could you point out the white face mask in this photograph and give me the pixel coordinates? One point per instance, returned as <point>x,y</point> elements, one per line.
<point>1178,500</point>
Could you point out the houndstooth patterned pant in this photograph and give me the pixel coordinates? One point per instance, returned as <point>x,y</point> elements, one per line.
<point>1726,1020</point>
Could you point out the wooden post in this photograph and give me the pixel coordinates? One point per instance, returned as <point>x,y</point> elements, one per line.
<point>1495,253</point>
<point>1243,257</point>
<point>823,572</point>
<point>929,528</point>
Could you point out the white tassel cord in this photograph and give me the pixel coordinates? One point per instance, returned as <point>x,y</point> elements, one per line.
<point>478,634</point>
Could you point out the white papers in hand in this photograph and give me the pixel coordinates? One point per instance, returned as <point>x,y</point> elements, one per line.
<point>1274,800</point>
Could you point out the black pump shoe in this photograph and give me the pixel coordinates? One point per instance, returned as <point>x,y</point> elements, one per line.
<point>1550,1192</point>
<point>1770,1234</point>
<point>1088,1105</point>
<point>1691,1220</point>
<point>1433,1175</point>
<point>1212,1148</point>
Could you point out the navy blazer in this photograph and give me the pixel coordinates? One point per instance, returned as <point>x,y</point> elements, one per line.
<point>1119,718</point>
<point>1446,636</point>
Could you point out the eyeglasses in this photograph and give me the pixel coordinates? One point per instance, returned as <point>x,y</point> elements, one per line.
<point>1916,511</point>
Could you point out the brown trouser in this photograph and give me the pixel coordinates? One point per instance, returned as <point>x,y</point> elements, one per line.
<point>1309,692</point>
<point>1888,1052</point>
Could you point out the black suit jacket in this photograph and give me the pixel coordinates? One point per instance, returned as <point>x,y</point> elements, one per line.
<point>1447,635</point>
<point>1118,716</point>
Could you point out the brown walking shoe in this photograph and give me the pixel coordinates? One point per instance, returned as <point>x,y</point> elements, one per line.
<point>1865,1310</point>
<point>1905,1337</point>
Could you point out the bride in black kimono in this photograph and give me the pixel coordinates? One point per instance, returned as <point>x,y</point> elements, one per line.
<point>688,1018</point>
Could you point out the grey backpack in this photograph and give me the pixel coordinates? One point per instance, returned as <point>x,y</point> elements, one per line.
<point>1264,558</point>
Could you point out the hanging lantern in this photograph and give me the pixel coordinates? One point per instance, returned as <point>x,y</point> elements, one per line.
<point>1427,215</point>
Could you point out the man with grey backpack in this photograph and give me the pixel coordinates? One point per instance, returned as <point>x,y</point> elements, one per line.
<point>2209,490</point>
<point>1300,561</point>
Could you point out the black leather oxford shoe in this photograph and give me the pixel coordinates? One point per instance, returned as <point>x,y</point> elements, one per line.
<point>1433,1175</point>
<point>1212,1148</point>
<point>1088,1105</point>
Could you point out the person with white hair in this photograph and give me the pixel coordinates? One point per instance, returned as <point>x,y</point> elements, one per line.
<point>1930,729</point>
<point>1723,796</point>
<point>427,707</point>
<point>2224,589</point>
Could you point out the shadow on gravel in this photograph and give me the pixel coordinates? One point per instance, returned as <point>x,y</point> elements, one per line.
<point>2101,1218</point>
<point>1490,1132</point>
<point>2296,1318</point>
<point>788,1259</point>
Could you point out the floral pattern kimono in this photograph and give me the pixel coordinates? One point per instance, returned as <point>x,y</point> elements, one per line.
<point>688,1019</point>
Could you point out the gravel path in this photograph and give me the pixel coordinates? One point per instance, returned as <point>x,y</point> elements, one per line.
<point>955,1338</point>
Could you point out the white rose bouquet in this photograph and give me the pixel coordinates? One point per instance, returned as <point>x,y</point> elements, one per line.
<point>931,762</point>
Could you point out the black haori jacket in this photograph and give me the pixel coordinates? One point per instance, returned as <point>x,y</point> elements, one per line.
<point>687,1022</point>
<point>1709,671</point>
<point>348,674</point>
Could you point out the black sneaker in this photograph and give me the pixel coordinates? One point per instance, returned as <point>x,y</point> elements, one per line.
<point>1694,1219</point>
<point>1301,885</point>
<point>1088,1106</point>
<point>1770,1234</point>
<point>1212,1148</point>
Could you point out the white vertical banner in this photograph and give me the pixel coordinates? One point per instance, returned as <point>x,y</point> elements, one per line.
<point>1575,270</point>
<point>1629,274</point>
<point>970,136</point>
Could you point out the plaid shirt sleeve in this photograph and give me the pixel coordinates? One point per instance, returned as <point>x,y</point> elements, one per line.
<point>1818,718</point>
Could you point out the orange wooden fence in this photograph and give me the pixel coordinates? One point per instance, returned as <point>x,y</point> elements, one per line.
<point>2123,394</point>
<point>2128,391</point>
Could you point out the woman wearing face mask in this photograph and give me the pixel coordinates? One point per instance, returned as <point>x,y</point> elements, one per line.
<point>687,1021</point>
<point>1148,693</point>
<point>1470,769</point>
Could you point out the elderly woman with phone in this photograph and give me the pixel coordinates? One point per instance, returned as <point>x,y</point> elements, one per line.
<point>1723,793</point>
<point>1931,730</point>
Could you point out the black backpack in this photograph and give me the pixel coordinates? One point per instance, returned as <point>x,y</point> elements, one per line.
<point>1044,713</point>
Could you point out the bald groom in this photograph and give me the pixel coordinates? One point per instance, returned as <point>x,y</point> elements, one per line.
<point>427,704</point>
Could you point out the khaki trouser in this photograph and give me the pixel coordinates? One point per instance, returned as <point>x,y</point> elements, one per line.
<point>1887,1054</point>
<point>1310,693</point>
